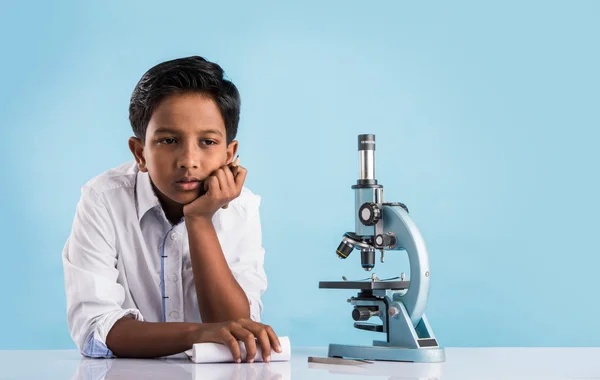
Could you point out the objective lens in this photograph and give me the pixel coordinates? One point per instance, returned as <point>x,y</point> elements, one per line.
<point>367,258</point>
<point>344,250</point>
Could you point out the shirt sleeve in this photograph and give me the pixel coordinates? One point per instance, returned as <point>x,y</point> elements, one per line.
<point>94,298</point>
<point>248,264</point>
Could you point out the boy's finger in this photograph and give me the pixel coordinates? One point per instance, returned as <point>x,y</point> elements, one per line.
<point>227,183</point>
<point>220,174</point>
<point>275,343</point>
<point>230,177</point>
<point>262,337</point>
<point>247,337</point>
<point>229,340</point>
<point>234,170</point>
<point>265,343</point>
<point>240,178</point>
<point>230,182</point>
<point>212,184</point>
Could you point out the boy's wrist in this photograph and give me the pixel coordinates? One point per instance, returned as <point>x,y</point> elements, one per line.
<point>194,334</point>
<point>198,219</point>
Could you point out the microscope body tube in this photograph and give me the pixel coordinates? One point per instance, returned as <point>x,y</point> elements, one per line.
<point>366,190</point>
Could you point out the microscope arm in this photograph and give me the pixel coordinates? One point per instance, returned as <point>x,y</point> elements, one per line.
<point>397,221</point>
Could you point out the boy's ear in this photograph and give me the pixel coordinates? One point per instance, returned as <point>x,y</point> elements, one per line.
<point>137,149</point>
<point>232,149</point>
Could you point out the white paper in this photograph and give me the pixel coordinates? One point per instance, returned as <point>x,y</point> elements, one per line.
<point>219,353</point>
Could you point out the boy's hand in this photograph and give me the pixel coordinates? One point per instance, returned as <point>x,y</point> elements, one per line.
<point>252,333</point>
<point>221,187</point>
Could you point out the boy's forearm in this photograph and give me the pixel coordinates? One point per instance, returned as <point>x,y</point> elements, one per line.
<point>136,339</point>
<point>220,297</point>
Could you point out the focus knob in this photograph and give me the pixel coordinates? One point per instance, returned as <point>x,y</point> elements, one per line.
<point>361,314</point>
<point>369,214</point>
<point>386,240</point>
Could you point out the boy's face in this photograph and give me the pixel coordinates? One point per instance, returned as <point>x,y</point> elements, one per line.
<point>185,139</point>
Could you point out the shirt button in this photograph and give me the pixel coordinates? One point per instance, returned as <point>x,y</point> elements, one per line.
<point>174,314</point>
<point>174,277</point>
<point>174,236</point>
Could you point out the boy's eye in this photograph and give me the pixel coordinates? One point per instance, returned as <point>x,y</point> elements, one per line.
<point>167,141</point>
<point>208,142</point>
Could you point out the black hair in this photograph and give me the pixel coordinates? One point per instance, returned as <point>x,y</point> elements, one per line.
<point>179,76</point>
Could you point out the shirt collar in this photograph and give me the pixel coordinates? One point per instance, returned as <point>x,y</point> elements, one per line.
<point>146,198</point>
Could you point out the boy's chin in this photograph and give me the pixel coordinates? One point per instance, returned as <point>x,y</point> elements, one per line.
<point>189,197</point>
<point>185,199</point>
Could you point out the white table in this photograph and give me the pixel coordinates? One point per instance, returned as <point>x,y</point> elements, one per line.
<point>461,363</point>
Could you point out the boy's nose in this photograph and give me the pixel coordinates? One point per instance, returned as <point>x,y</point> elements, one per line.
<point>189,159</point>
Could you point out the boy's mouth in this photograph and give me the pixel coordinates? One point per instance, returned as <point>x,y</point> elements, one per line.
<point>189,183</point>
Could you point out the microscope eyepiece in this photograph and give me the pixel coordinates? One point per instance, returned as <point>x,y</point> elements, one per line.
<point>366,142</point>
<point>366,151</point>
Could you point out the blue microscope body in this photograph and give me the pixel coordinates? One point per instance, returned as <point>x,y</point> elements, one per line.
<point>399,304</point>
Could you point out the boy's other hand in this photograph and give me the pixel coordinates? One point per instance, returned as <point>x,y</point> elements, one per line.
<point>253,334</point>
<point>221,187</point>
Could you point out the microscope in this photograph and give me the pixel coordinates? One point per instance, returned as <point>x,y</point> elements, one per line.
<point>398,303</point>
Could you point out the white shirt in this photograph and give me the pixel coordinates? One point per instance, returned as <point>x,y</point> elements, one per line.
<point>124,258</point>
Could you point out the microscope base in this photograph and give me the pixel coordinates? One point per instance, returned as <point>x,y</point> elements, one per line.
<point>399,354</point>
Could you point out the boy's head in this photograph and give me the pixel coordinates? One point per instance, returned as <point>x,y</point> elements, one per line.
<point>185,116</point>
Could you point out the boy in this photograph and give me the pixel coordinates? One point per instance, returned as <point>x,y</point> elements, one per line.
<point>167,251</point>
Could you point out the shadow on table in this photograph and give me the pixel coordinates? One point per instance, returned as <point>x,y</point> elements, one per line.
<point>391,370</point>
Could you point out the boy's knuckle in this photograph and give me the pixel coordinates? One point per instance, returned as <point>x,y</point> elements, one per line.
<point>231,342</point>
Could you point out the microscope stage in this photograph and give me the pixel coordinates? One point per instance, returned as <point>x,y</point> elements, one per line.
<point>364,285</point>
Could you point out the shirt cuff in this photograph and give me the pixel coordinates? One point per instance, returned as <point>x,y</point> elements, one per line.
<point>255,308</point>
<point>95,347</point>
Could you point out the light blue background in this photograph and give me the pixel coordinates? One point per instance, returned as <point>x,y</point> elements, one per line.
<point>487,122</point>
